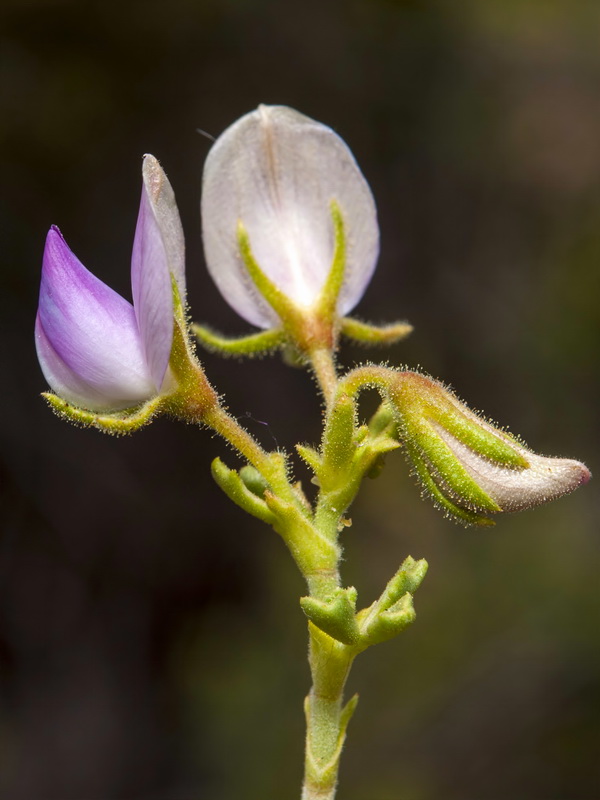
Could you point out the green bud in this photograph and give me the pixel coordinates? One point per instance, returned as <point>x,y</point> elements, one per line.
<point>469,467</point>
<point>253,480</point>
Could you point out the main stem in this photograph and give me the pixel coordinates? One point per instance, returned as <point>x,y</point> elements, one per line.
<point>329,660</point>
<point>326,716</point>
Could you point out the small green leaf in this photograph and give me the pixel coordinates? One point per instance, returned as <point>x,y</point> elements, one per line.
<point>394,610</point>
<point>310,456</point>
<point>335,616</point>
<point>236,489</point>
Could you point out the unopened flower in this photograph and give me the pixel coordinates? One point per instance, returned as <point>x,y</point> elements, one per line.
<point>98,351</point>
<point>471,468</point>
<point>282,180</point>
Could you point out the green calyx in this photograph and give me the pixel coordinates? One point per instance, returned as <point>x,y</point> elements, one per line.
<point>445,468</point>
<point>188,381</point>
<point>302,330</point>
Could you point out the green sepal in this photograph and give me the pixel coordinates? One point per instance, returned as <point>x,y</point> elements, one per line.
<point>335,616</point>
<point>292,356</point>
<point>327,302</point>
<point>179,307</point>
<point>118,423</point>
<point>454,477</point>
<point>237,490</point>
<point>366,334</point>
<point>256,344</point>
<point>394,610</point>
<point>278,301</point>
<point>479,439</point>
<point>453,511</point>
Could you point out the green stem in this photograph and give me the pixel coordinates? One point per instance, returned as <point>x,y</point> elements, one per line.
<point>270,465</point>
<point>370,376</point>
<point>326,716</point>
<point>323,366</point>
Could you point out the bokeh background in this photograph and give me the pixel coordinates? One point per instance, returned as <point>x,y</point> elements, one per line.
<point>151,644</point>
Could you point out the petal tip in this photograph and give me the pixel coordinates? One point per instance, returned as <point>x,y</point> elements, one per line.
<point>585,474</point>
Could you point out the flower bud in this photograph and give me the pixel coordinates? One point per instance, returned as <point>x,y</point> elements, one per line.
<point>469,467</point>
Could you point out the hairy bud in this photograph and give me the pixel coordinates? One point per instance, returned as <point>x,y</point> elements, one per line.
<point>470,468</point>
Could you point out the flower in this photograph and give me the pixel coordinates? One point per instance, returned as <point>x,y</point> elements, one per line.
<point>281,178</point>
<point>469,467</point>
<point>98,351</point>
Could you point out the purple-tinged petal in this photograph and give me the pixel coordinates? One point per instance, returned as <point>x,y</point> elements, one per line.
<point>87,335</point>
<point>157,252</point>
<point>277,171</point>
<point>162,198</point>
<point>61,378</point>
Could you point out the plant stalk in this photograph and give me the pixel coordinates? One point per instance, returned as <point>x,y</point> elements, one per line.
<point>326,716</point>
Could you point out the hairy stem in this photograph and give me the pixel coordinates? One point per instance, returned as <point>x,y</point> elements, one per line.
<point>270,465</point>
<point>323,367</point>
<point>326,716</point>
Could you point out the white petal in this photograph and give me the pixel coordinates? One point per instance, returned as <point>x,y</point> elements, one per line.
<point>512,489</point>
<point>278,171</point>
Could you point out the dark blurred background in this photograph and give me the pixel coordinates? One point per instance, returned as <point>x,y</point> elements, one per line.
<point>151,643</point>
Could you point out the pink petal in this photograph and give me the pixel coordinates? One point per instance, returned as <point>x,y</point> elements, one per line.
<point>158,251</point>
<point>87,336</point>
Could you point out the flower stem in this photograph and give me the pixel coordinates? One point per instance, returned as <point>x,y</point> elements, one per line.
<point>323,366</point>
<point>270,465</point>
